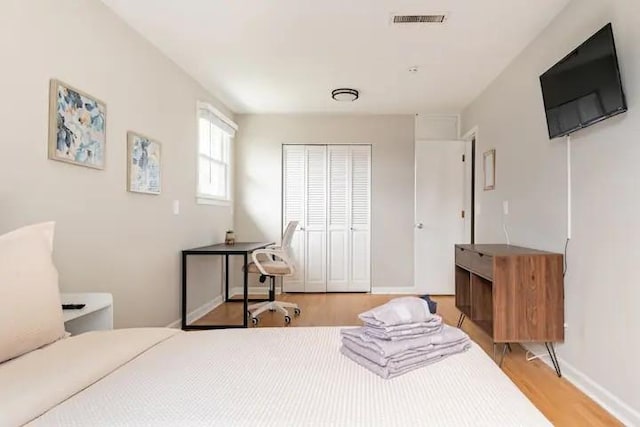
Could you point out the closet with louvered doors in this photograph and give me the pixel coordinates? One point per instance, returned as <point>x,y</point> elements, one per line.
<point>327,188</point>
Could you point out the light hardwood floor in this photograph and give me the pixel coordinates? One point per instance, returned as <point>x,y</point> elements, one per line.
<point>562,403</point>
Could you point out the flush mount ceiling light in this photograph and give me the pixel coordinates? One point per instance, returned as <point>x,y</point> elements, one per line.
<point>413,70</point>
<point>345,94</point>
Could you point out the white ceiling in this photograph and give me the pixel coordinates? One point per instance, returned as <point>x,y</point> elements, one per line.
<point>285,56</point>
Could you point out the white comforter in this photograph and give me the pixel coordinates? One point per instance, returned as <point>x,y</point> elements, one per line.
<point>270,376</point>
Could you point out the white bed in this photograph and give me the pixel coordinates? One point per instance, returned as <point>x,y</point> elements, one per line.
<point>262,376</point>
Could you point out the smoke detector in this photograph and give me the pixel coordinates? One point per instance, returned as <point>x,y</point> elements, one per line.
<point>399,19</point>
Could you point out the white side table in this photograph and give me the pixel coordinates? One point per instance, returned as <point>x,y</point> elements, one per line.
<point>97,314</point>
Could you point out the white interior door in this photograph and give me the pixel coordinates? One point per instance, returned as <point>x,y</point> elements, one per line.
<point>439,202</point>
<point>338,233</point>
<point>293,209</point>
<point>360,226</point>
<point>315,225</point>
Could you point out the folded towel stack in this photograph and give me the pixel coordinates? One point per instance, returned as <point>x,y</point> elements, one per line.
<point>400,336</point>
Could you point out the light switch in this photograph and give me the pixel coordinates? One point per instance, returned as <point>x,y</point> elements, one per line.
<point>176,207</point>
<point>505,207</point>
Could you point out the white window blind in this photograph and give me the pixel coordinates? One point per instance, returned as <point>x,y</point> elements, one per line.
<point>215,135</point>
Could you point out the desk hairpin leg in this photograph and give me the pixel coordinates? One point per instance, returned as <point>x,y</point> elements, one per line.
<point>554,359</point>
<point>461,320</point>
<point>506,347</point>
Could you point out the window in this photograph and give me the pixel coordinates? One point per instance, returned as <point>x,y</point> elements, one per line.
<point>215,134</point>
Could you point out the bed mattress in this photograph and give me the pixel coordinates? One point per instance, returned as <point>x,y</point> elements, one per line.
<point>289,376</point>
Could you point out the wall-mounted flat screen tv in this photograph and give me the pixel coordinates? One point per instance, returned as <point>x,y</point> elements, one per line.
<point>585,87</point>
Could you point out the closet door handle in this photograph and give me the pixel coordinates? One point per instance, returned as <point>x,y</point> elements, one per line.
<point>301,228</point>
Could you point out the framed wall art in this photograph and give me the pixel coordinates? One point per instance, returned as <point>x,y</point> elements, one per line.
<point>77,126</point>
<point>489,168</point>
<point>144,170</point>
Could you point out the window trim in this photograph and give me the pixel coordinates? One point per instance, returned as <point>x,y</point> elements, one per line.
<point>207,199</point>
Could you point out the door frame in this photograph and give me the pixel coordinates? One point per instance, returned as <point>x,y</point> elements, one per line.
<point>470,184</point>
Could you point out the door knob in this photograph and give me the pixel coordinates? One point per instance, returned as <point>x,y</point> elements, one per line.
<point>419,226</point>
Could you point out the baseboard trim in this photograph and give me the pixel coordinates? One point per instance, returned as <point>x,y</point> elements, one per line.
<point>407,290</point>
<point>198,312</point>
<point>614,405</point>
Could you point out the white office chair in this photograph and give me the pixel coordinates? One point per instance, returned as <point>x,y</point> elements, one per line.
<point>272,262</point>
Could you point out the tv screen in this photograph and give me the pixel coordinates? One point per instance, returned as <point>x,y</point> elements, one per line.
<point>585,87</point>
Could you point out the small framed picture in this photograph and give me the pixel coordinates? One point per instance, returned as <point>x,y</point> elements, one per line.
<point>144,170</point>
<point>489,167</point>
<point>77,126</point>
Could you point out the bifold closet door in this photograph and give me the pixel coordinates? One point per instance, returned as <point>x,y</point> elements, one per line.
<point>293,207</point>
<point>348,223</point>
<point>338,234</point>
<point>360,219</point>
<point>305,201</point>
<point>328,190</point>
<point>315,228</point>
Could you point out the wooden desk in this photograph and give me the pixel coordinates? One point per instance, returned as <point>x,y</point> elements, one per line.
<point>514,294</point>
<point>240,248</point>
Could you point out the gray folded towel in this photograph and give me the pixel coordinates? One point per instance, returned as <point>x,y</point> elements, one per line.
<point>407,331</point>
<point>406,357</point>
<point>398,311</point>
<point>389,348</point>
<point>393,370</point>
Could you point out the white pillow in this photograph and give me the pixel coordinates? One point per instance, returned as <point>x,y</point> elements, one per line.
<point>30,308</point>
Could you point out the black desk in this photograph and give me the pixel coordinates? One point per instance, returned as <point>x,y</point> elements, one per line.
<point>240,248</point>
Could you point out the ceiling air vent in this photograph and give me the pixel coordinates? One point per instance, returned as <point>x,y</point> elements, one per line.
<point>418,19</point>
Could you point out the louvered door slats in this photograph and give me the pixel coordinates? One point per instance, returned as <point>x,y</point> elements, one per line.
<point>360,182</point>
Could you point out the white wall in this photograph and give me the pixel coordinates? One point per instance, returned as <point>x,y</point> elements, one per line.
<point>258,181</point>
<point>107,239</point>
<point>601,293</point>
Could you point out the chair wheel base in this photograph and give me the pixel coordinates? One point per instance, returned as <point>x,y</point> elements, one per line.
<point>255,320</point>
<point>287,319</point>
<point>296,311</point>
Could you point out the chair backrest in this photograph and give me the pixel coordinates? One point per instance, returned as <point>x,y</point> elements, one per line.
<point>287,236</point>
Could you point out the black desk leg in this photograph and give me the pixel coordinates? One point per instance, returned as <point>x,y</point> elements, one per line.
<point>272,289</point>
<point>226,277</point>
<point>246,290</point>
<point>184,290</point>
